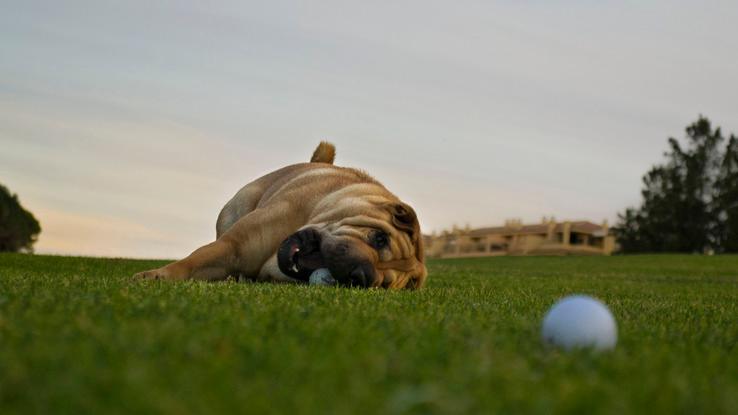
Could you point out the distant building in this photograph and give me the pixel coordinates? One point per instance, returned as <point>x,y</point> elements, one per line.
<point>547,238</point>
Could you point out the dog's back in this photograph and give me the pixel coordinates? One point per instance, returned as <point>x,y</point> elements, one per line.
<point>260,191</point>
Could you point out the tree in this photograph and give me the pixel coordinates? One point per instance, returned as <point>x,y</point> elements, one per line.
<point>687,199</point>
<point>726,199</point>
<point>18,227</point>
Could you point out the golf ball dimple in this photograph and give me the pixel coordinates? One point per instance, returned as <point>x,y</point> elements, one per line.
<point>580,321</point>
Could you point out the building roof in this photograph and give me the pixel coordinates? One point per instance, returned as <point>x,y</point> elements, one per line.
<point>577,226</point>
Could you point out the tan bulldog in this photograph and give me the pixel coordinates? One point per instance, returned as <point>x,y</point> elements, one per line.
<point>285,225</point>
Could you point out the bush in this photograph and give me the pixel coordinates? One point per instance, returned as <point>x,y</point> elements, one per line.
<point>19,229</point>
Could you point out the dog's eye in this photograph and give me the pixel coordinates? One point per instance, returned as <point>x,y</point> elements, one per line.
<point>379,240</point>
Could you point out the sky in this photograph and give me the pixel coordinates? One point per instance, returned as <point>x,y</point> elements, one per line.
<point>126,126</point>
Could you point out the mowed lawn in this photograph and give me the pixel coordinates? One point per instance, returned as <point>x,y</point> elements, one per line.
<point>78,336</point>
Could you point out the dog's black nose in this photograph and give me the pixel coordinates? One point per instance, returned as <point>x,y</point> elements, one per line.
<point>361,276</point>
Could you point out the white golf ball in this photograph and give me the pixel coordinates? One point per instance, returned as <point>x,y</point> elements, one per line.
<point>321,276</point>
<point>580,321</point>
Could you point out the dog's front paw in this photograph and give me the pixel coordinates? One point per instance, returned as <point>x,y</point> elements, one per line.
<point>164,273</point>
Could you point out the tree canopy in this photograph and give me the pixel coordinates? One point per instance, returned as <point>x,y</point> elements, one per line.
<point>18,227</point>
<point>690,201</point>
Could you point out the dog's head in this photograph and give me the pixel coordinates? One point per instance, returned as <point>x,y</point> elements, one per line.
<point>371,244</point>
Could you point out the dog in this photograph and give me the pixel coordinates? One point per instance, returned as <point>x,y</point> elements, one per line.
<point>303,217</point>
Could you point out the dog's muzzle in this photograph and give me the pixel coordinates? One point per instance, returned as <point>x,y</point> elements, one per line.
<point>306,251</point>
<point>299,255</point>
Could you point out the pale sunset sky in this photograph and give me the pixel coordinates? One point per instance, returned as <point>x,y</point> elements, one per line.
<point>125,125</point>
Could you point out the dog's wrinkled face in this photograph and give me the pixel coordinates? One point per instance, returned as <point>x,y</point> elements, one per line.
<point>376,248</point>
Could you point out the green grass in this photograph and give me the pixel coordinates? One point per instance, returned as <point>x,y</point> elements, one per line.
<point>77,336</point>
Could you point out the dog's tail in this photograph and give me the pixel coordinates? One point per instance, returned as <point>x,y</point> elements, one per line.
<point>324,153</point>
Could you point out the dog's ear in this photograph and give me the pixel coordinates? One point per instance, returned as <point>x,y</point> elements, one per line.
<point>404,218</point>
